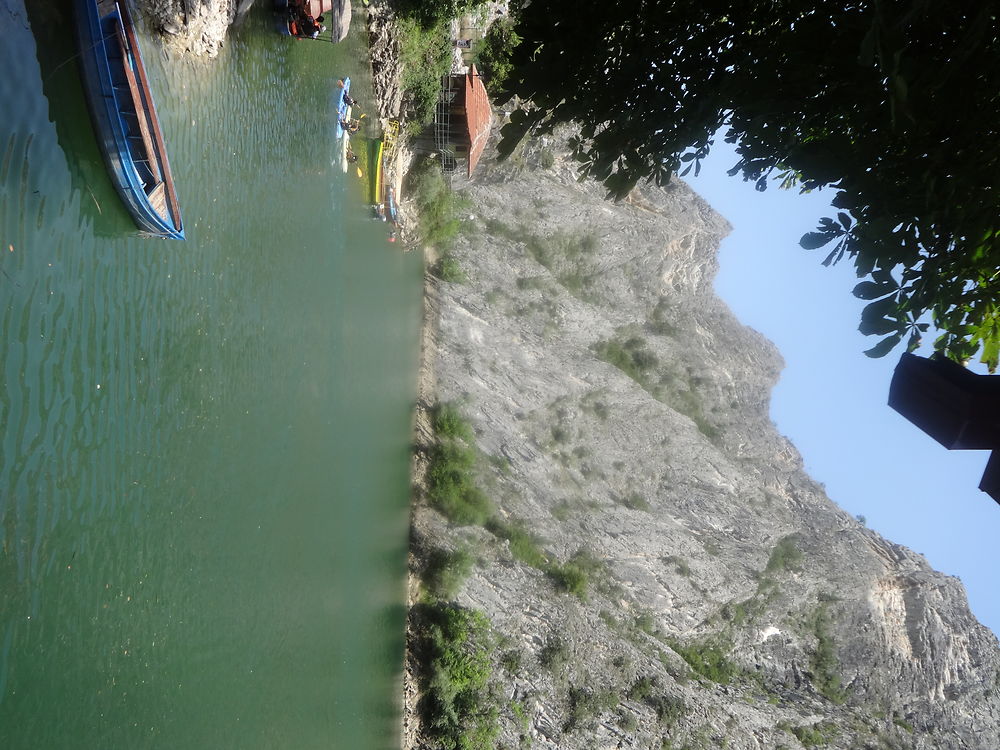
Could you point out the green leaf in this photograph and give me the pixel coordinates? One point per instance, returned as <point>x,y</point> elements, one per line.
<point>884,346</point>
<point>871,290</point>
<point>875,320</point>
<point>842,200</point>
<point>878,326</point>
<point>883,276</point>
<point>845,220</point>
<point>814,240</point>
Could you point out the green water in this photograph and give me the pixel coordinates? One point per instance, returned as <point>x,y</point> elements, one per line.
<point>204,456</point>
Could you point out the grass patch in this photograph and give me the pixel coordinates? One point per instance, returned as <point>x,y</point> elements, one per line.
<point>459,709</point>
<point>630,356</point>
<point>645,622</point>
<point>562,510</point>
<point>902,723</point>
<point>706,659</point>
<point>586,704</point>
<point>633,501</point>
<point>523,544</point>
<point>786,555</point>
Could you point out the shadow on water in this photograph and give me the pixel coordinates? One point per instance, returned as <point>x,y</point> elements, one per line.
<point>52,24</point>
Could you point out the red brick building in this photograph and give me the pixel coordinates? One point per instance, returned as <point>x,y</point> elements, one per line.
<point>464,118</point>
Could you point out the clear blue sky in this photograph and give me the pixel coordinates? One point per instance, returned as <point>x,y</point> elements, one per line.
<point>831,400</point>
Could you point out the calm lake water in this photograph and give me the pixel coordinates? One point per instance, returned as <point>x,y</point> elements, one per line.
<point>205,445</point>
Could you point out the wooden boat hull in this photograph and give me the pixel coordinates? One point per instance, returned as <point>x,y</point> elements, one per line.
<point>124,116</point>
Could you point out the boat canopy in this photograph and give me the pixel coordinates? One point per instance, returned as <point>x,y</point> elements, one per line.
<point>319,7</point>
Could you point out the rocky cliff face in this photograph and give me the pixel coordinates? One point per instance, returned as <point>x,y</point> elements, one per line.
<point>620,416</point>
<point>197,26</point>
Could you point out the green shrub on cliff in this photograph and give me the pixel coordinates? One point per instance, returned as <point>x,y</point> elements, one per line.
<point>446,571</point>
<point>451,484</point>
<point>459,710</point>
<point>438,208</point>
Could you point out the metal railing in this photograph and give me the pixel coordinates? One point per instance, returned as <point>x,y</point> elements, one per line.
<point>442,126</point>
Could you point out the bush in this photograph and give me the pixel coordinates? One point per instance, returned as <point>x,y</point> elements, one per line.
<point>668,708</point>
<point>634,501</point>
<point>438,207</point>
<point>642,688</point>
<point>425,54</point>
<point>451,487</point>
<point>493,54</point>
<point>570,578</point>
<point>574,575</point>
<point>448,269</point>
<point>585,704</point>
<point>458,709</point>
<point>554,655</point>
<point>818,734</point>
<point>448,422</point>
<point>826,678</point>
<point>446,571</point>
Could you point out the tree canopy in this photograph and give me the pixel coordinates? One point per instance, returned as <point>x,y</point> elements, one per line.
<point>893,104</point>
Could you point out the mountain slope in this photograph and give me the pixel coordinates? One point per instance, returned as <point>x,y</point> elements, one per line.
<point>658,569</point>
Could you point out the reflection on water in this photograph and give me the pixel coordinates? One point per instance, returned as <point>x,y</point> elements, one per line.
<point>203,466</point>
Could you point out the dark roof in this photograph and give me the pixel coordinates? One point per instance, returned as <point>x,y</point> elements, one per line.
<point>479,116</point>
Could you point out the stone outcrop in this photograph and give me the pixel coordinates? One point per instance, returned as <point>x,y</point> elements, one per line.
<point>197,26</point>
<point>200,26</point>
<point>620,409</point>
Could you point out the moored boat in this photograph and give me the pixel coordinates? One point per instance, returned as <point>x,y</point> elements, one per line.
<point>343,108</point>
<point>303,19</point>
<point>124,116</point>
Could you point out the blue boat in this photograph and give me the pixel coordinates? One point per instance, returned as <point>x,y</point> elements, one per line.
<point>343,108</point>
<point>124,116</point>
